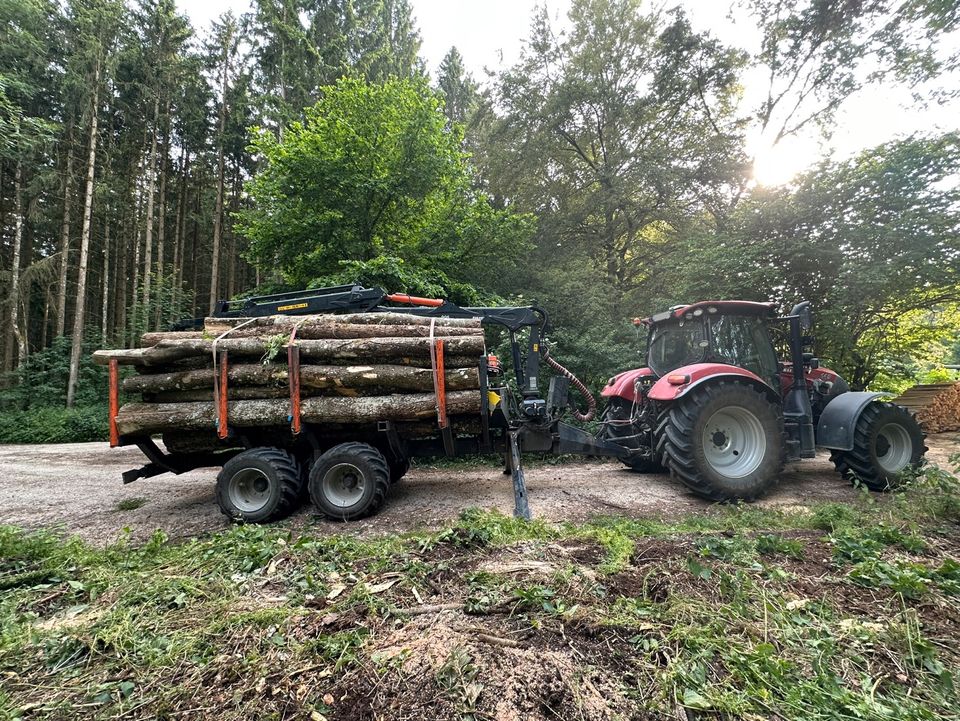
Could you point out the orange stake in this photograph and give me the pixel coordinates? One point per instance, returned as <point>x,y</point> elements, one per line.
<point>223,429</point>
<point>293,374</point>
<point>114,402</point>
<point>441,386</point>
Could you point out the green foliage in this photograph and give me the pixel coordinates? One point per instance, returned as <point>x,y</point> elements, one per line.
<point>55,424</point>
<point>374,171</point>
<point>41,381</point>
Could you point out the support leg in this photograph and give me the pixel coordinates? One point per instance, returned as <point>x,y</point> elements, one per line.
<point>521,508</point>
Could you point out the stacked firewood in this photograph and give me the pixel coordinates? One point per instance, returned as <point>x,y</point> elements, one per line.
<point>936,405</point>
<point>354,369</point>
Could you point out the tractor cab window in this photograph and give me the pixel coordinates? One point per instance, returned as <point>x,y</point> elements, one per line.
<point>743,341</point>
<point>673,345</point>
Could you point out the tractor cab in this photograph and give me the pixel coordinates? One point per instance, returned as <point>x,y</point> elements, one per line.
<point>733,333</point>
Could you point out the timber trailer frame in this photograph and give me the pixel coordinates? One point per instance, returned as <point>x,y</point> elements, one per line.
<point>511,422</point>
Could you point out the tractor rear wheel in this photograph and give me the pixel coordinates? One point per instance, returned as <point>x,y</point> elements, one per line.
<point>349,481</point>
<point>259,485</point>
<point>724,441</point>
<point>887,441</point>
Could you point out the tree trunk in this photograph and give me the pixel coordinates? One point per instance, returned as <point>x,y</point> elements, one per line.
<point>180,220</point>
<point>18,338</point>
<point>162,215</point>
<point>141,418</point>
<point>322,327</point>
<point>280,323</point>
<point>218,207</point>
<point>319,377</point>
<point>78,316</point>
<point>148,242</point>
<point>363,350</point>
<point>105,277</point>
<point>65,236</point>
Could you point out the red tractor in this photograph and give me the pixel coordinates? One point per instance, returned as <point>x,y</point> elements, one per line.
<point>718,409</point>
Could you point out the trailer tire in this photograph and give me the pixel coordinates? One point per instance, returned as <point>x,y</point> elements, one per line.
<point>349,481</point>
<point>887,441</point>
<point>259,486</point>
<point>724,441</point>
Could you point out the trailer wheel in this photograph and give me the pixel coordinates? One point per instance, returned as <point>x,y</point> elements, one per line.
<point>349,481</point>
<point>259,485</point>
<point>887,441</point>
<point>724,441</point>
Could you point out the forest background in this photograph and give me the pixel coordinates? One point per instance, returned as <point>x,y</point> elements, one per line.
<point>149,168</point>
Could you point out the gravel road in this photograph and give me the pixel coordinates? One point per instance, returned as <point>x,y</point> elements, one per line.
<point>76,488</point>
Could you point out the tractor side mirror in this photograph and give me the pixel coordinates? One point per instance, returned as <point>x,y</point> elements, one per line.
<point>804,311</point>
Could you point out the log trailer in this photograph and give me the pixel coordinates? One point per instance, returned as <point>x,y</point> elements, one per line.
<point>714,407</point>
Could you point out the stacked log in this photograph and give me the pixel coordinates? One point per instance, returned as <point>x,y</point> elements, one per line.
<point>936,405</point>
<point>354,369</point>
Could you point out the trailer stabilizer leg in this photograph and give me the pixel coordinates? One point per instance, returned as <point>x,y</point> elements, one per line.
<point>521,508</point>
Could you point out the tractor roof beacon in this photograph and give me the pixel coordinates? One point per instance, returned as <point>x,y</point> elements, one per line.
<point>717,409</point>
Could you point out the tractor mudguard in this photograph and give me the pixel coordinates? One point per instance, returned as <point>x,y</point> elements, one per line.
<point>698,373</point>
<point>838,422</point>
<point>624,384</point>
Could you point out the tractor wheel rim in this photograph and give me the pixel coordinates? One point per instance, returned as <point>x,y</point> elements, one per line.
<point>734,442</point>
<point>249,490</point>
<point>343,485</point>
<point>893,448</point>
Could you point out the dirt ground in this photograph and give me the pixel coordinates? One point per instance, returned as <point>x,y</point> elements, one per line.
<point>77,488</point>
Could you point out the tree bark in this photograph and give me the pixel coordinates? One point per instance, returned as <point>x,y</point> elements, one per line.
<point>18,338</point>
<point>317,330</point>
<point>218,208</point>
<point>105,301</point>
<point>141,418</point>
<point>151,185</point>
<point>317,377</point>
<point>78,316</point>
<point>162,214</point>
<point>364,350</point>
<point>65,236</point>
<point>216,326</point>
<point>178,234</point>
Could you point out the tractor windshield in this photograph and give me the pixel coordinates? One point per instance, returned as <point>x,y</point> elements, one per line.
<point>738,340</point>
<point>677,344</point>
<point>743,341</point>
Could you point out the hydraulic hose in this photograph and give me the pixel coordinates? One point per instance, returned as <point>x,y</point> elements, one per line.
<point>578,384</point>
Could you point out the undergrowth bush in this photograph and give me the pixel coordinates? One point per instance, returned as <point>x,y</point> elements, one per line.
<point>54,425</point>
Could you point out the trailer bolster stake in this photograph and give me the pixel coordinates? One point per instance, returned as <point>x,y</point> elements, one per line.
<point>114,403</point>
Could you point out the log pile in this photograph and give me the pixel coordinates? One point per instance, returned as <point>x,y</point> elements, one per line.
<point>936,405</point>
<point>354,369</point>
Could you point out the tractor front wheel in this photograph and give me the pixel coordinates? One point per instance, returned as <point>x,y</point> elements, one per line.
<point>887,441</point>
<point>724,441</point>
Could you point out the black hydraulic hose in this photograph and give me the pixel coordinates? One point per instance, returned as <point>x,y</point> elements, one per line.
<point>578,384</point>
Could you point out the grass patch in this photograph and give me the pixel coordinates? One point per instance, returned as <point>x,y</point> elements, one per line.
<point>845,612</point>
<point>130,504</point>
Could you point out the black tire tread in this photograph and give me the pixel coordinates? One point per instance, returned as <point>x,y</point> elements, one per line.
<point>381,480</point>
<point>675,441</point>
<point>287,475</point>
<point>856,465</point>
